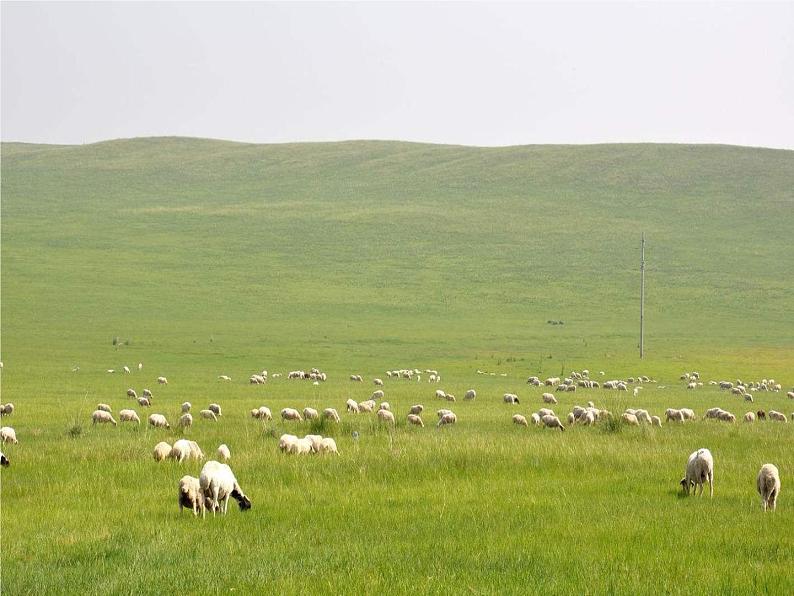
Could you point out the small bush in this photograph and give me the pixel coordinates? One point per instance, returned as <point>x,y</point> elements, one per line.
<point>612,425</point>
<point>75,430</point>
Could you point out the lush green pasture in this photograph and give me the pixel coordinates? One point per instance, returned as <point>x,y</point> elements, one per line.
<point>204,258</point>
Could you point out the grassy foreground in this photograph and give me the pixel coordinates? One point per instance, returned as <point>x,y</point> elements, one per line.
<point>201,258</point>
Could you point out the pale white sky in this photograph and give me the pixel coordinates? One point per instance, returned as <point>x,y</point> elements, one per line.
<point>475,74</point>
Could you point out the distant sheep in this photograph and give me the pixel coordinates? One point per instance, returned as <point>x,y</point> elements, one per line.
<point>385,406</point>
<point>215,408</point>
<point>776,416</point>
<point>386,416</point>
<point>8,435</point>
<point>161,451</point>
<point>699,469</point>
<point>440,394</point>
<point>302,446</point>
<point>415,420</point>
<point>510,398</point>
<point>630,419</point>
<point>550,421</point>
<point>158,421</point>
<point>352,406</point>
<point>367,406</point>
<point>7,409</point>
<point>223,453</point>
<point>184,450</point>
<point>448,418</point>
<point>768,483</point>
<point>450,397</point>
<point>377,394</point>
<point>129,416</point>
<point>162,380</point>
<point>416,409</point>
<point>104,408</point>
<point>147,393</point>
<point>185,420</point>
<point>378,382</point>
<point>102,417</point>
<point>191,495</point>
<point>673,415</point>
<point>331,414</point>
<point>310,414</point>
<point>131,393</point>
<point>291,414</point>
<point>470,394</point>
<point>656,421</point>
<point>144,402</point>
<point>328,445</point>
<point>520,420</point>
<point>285,441</point>
<point>208,415</point>
<point>549,398</point>
<point>186,406</point>
<point>535,419</point>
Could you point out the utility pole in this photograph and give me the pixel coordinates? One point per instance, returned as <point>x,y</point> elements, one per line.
<point>642,297</point>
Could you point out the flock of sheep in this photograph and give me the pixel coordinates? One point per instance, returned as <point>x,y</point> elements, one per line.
<point>217,483</point>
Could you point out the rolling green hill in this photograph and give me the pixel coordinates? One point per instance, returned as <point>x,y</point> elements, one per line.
<point>394,252</point>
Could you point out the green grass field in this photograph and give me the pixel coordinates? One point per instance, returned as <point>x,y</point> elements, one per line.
<point>200,258</point>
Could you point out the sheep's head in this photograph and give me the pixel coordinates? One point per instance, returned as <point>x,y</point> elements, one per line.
<point>243,501</point>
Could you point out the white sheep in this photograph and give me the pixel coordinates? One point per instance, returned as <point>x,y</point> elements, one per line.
<point>328,445</point>
<point>550,421</point>
<point>440,394</point>
<point>300,446</point>
<point>367,406</point>
<point>162,380</point>
<point>377,394</point>
<point>285,441</point>
<point>450,397</point>
<point>448,418</point>
<point>549,398</point>
<point>185,420</point>
<point>215,408</point>
<point>385,406</point>
<point>699,469</point>
<point>470,394</point>
<point>656,421</point>
<point>777,416</point>
<point>727,417</point>
<point>378,382</point>
<point>191,495</point>
<point>184,449</point>
<point>104,408</point>
<point>186,406</point>
<point>331,414</point>
<point>8,435</point>
<point>218,484</point>
<point>161,451</point>
<point>131,393</point>
<point>147,393</point>
<point>315,441</point>
<point>630,419</point>
<point>144,402</point>
<point>546,412</point>
<point>223,453</point>
<point>520,420</point>
<point>158,421</point>
<point>352,406</point>
<point>310,414</point>
<point>749,417</point>
<point>416,409</point>
<point>510,398</point>
<point>688,414</point>
<point>768,483</point>
<point>102,417</point>
<point>208,415</point>
<point>129,416</point>
<point>671,414</point>
<point>643,417</point>
<point>415,419</point>
<point>386,416</point>
<point>291,414</point>
<point>535,419</point>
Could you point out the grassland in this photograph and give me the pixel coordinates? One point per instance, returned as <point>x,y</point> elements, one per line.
<point>206,257</point>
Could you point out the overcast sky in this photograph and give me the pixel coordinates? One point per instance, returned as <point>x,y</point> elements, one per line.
<point>475,74</point>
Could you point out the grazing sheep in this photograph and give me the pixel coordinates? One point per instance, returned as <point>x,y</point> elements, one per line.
<point>7,409</point>
<point>673,415</point>
<point>191,495</point>
<point>535,419</point>
<point>643,417</point>
<point>470,394</point>
<point>131,393</point>
<point>546,412</point>
<point>768,483</point>
<point>352,406</point>
<point>777,416</point>
<point>218,484</point>
<point>315,441</point>
<point>550,421</point>
<point>291,414</point>
<point>699,469</point>
<point>215,408</point>
<point>440,394</point>
<point>571,418</point>
<point>386,416</point>
<point>104,408</point>
<point>630,419</point>
<point>385,406</point>
<point>688,414</point>
<point>377,394</point>
<point>548,398</point>
<point>129,416</point>
<point>185,420</point>
<point>520,420</point>
<point>356,378</point>
<point>264,413</point>
<point>224,378</point>
<point>162,380</point>
<point>790,394</point>
<point>147,393</point>
<point>328,445</point>
<point>161,451</point>
<point>417,409</point>
<point>127,370</point>
<point>415,420</point>
<point>748,397</point>
<point>102,417</point>
<point>448,418</point>
<point>144,402</point>
<point>310,414</point>
<point>158,421</point>
<point>442,412</point>
<point>378,382</point>
<point>749,417</point>
<point>8,435</point>
<point>4,460</point>
<point>302,446</point>
<point>223,453</point>
<point>727,417</point>
<point>208,415</point>
<point>186,406</point>
<point>367,406</point>
<point>285,441</point>
<point>761,415</point>
<point>450,397</point>
<point>510,398</point>
<point>184,449</point>
<point>331,414</point>
<point>656,421</point>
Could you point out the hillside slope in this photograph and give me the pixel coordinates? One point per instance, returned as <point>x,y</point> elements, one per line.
<point>375,252</point>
